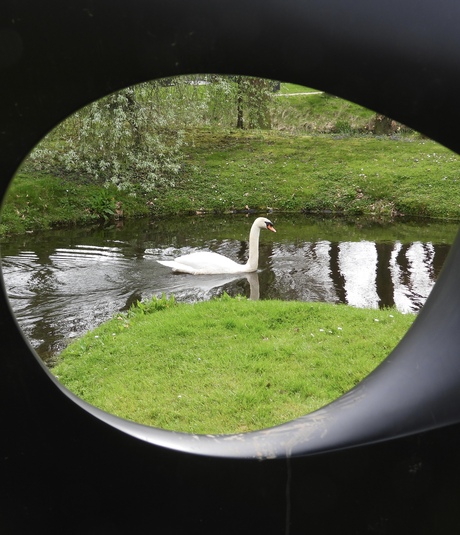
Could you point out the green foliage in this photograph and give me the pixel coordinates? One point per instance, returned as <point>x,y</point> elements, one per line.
<point>134,138</point>
<point>154,305</point>
<point>218,101</point>
<point>121,140</point>
<point>42,201</point>
<point>343,127</point>
<point>228,365</point>
<point>209,166</point>
<point>253,96</point>
<point>232,170</point>
<point>102,204</point>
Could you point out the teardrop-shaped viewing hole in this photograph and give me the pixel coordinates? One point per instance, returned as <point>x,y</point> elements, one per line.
<point>176,166</point>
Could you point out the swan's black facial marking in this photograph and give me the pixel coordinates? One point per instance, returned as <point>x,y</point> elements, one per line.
<point>270,226</point>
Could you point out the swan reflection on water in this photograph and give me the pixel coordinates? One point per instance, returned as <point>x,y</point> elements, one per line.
<point>206,283</point>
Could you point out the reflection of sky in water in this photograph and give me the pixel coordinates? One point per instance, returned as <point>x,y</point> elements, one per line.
<point>358,265</point>
<point>314,272</point>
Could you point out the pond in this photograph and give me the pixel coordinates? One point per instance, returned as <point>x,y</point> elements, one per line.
<point>62,283</point>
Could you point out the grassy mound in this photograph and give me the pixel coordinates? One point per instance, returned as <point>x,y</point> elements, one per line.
<point>227,365</point>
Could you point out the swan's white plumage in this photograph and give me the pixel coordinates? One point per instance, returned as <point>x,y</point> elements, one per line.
<point>208,263</point>
<point>204,263</point>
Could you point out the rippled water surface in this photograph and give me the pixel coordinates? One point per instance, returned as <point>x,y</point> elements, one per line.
<point>64,282</point>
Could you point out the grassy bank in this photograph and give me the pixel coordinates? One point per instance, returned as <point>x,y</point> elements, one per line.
<point>229,365</point>
<point>237,170</point>
<point>318,156</point>
<point>40,201</point>
<point>350,175</point>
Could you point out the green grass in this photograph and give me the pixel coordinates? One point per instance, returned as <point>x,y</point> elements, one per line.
<point>228,365</point>
<point>42,201</point>
<point>228,171</point>
<point>319,113</point>
<point>350,175</point>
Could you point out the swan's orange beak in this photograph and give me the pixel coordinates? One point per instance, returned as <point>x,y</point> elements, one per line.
<point>271,227</point>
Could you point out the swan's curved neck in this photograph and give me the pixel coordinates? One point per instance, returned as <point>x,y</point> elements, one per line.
<point>253,261</point>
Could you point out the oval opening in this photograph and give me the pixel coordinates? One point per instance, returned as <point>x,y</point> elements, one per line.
<point>223,353</point>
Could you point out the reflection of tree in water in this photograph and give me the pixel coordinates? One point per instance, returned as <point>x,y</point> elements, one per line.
<point>384,281</point>
<point>358,273</point>
<point>42,282</point>
<point>440,254</point>
<point>336,274</point>
<point>403,261</point>
<point>35,288</point>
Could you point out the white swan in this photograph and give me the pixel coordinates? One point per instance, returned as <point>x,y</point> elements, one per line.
<point>207,263</point>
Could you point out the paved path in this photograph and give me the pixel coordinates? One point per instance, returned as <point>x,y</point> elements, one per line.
<point>297,94</point>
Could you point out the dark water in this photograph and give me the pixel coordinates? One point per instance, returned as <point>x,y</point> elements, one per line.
<point>64,282</point>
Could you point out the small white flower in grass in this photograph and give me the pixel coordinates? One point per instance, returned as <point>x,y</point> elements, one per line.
<point>179,396</point>
<point>339,328</point>
<point>321,330</point>
<point>391,316</point>
<point>96,336</point>
<point>375,319</point>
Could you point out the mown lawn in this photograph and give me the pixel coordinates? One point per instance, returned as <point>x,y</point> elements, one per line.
<point>228,365</point>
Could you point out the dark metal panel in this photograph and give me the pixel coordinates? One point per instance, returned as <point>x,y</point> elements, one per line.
<point>381,459</point>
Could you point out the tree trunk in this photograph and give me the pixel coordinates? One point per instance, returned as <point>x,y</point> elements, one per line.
<point>239,103</point>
